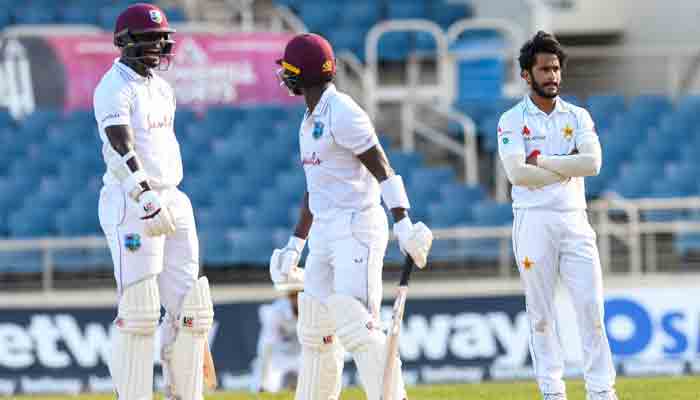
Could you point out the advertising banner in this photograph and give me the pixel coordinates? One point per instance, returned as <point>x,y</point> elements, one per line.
<point>651,331</point>
<point>62,71</point>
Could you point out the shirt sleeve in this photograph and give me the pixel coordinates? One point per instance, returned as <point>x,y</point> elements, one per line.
<point>586,128</point>
<point>510,138</point>
<point>353,130</point>
<point>112,107</point>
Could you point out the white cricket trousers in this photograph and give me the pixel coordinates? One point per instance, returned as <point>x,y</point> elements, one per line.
<point>346,256</point>
<point>173,258</point>
<point>553,245</point>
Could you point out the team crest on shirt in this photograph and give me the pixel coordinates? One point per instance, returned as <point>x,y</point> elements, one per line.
<point>132,241</point>
<point>318,130</point>
<point>568,132</point>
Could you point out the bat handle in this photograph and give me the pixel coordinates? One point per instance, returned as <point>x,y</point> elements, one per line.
<point>406,271</point>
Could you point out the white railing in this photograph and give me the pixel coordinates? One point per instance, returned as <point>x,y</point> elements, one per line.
<point>636,235</point>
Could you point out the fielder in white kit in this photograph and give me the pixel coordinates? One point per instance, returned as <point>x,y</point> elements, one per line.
<point>547,146</point>
<point>148,222</point>
<point>346,175</point>
<point>279,353</point>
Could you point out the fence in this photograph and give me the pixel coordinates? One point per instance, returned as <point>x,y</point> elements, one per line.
<point>629,244</point>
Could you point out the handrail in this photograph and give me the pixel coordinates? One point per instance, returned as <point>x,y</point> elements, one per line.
<point>376,93</point>
<point>511,32</point>
<point>467,149</point>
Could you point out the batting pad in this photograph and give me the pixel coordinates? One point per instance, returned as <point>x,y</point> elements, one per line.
<point>183,358</point>
<point>360,335</point>
<point>321,372</point>
<point>131,364</point>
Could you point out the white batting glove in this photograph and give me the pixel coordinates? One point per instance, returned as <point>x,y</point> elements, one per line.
<point>414,240</point>
<point>284,271</point>
<point>156,216</point>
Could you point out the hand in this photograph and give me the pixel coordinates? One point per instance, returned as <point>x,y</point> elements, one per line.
<point>532,158</point>
<point>574,151</point>
<point>156,216</point>
<point>284,272</point>
<point>414,240</point>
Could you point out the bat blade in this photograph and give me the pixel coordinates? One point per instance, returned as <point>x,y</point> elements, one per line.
<point>393,343</point>
<point>209,371</point>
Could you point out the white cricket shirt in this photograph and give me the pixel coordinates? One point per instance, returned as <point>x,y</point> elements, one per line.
<point>124,97</point>
<point>525,128</point>
<point>330,138</point>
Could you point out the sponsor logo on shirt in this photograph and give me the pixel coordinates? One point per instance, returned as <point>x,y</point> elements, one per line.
<point>527,134</point>
<point>110,116</point>
<point>313,160</point>
<point>165,121</point>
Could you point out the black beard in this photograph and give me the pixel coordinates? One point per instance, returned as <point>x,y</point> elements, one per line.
<point>541,92</point>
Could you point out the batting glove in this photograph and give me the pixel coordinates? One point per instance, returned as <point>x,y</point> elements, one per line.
<point>414,240</point>
<point>156,216</point>
<point>284,271</point>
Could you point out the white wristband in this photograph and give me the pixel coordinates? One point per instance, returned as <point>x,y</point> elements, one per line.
<point>296,243</point>
<point>394,193</point>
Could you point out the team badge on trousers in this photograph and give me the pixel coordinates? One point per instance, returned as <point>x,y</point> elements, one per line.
<point>318,130</point>
<point>132,241</point>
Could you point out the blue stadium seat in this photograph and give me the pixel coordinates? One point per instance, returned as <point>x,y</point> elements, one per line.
<point>361,13</point>
<point>215,246</point>
<point>175,14</point>
<point>403,9</point>
<point>634,180</point>
<point>394,46</point>
<point>251,246</point>
<point>21,261</point>
<point>488,213</point>
<point>462,193</point>
<point>77,14</point>
<point>404,163</point>
<point>449,213</point>
<point>445,13</point>
<point>78,221</point>
<point>319,15</point>
<point>75,260</point>
<point>34,14</point>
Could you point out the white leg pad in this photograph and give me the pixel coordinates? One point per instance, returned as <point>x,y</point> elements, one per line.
<point>321,372</point>
<point>183,344</point>
<point>359,334</point>
<point>131,364</point>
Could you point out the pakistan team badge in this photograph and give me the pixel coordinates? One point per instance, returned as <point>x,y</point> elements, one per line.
<point>568,132</point>
<point>132,241</point>
<point>318,130</point>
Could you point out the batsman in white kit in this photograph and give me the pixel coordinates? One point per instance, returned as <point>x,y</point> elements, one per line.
<point>279,352</point>
<point>148,221</point>
<point>547,147</point>
<point>347,173</point>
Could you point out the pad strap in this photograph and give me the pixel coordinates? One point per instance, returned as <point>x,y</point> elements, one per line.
<point>394,193</point>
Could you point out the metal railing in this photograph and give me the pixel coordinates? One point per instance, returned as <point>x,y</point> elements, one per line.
<point>617,221</point>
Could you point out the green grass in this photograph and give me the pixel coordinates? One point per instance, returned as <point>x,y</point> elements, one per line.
<point>683,388</point>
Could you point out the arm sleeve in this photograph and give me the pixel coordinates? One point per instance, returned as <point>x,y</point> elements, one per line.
<point>353,130</point>
<point>589,158</point>
<point>112,107</point>
<point>511,149</point>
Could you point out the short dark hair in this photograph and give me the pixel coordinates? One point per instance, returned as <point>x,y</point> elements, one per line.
<point>542,42</point>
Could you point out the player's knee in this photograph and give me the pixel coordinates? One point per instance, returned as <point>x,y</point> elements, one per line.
<point>355,327</point>
<point>315,327</point>
<point>139,308</point>
<point>197,314</point>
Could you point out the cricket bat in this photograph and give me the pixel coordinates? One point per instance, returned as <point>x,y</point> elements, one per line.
<point>395,331</point>
<point>209,370</point>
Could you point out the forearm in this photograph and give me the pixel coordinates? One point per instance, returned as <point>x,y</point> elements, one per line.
<point>586,163</point>
<point>376,162</point>
<point>521,174</point>
<point>305,219</point>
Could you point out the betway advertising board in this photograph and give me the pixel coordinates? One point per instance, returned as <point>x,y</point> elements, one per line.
<point>443,340</point>
<point>62,70</point>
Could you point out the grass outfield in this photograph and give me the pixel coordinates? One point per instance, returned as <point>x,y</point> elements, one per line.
<point>684,388</point>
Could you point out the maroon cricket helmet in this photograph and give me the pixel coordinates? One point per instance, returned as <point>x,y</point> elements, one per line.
<point>140,19</point>
<point>308,59</point>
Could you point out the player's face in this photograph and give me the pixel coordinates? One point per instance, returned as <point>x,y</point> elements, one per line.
<point>152,46</point>
<point>545,76</point>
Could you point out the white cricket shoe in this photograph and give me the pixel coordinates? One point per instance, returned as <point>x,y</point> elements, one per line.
<point>606,395</point>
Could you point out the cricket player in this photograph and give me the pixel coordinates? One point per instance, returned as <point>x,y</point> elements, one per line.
<point>347,173</point>
<point>148,222</point>
<point>279,352</point>
<point>547,146</point>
